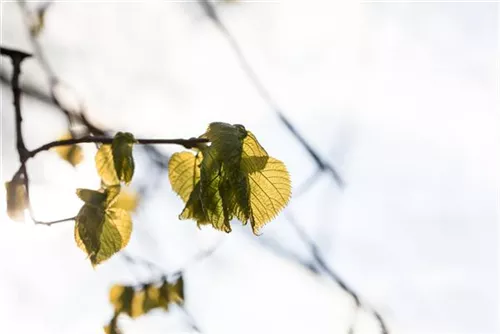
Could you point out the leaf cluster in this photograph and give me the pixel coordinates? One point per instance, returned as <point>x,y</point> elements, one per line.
<point>103,225</point>
<point>233,177</point>
<point>134,302</point>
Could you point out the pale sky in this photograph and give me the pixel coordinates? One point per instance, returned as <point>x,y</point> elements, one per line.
<point>402,98</point>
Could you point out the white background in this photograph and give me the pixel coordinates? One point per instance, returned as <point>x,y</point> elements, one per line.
<point>402,98</point>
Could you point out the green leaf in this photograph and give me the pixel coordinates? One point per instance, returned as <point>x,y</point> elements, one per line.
<point>235,179</point>
<point>17,200</point>
<point>115,162</point>
<point>184,173</point>
<point>136,302</point>
<point>92,197</point>
<point>101,230</point>
<point>121,297</point>
<point>270,191</point>
<point>122,156</point>
<point>105,165</point>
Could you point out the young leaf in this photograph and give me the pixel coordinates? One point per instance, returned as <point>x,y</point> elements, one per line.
<point>134,302</point>
<point>122,156</point>
<point>120,297</point>
<point>105,165</point>
<point>270,192</point>
<point>92,197</point>
<point>71,153</point>
<point>17,200</point>
<point>184,173</point>
<point>101,230</point>
<point>151,298</point>
<point>235,179</point>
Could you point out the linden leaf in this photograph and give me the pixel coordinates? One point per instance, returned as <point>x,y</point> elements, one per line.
<point>101,230</point>
<point>71,153</point>
<point>137,307</point>
<point>184,173</point>
<point>152,298</point>
<point>254,156</point>
<point>235,179</point>
<point>122,156</point>
<point>134,303</point>
<point>92,197</point>
<point>105,165</point>
<point>194,208</point>
<point>112,195</point>
<point>17,200</point>
<point>270,191</point>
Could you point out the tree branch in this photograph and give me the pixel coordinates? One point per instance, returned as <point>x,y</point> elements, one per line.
<point>187,143</point>
<point>50,223</point>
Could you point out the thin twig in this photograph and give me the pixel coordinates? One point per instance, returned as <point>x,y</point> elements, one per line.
<point>187,143</point>
<point>50,223</point>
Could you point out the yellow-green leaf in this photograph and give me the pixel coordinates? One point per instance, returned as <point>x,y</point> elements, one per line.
<point>270,191</point>
<point>136,302</point>
<point>254,156</point>
<point>120,297</point>
<point>102,232</point>
<point>235,179</point>
<point>112,194</point>
<point>71,153</point>
<point>92,197</point>
<point>105,165</point>
<point>152,298</point>
<point>122,156</point>
<point>17,200</point>
<point>184,173</point>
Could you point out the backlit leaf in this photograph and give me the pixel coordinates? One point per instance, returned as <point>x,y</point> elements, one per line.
<point>122,156</point>
<point>235,179</point>
<point>120,297</point>
<point>136,302</point>
<point>270,191</point>
<point>101,230</point>
<point>105,165</point>
<point>92,197</point>
<point>151,298</point>
<point>17,200</point>
<point>71,153</point>
<point>184,173</point>
<point>137,308</point>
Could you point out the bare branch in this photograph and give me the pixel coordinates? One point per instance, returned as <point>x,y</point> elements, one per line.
<point>187,143</point>
<point>50,223</point>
